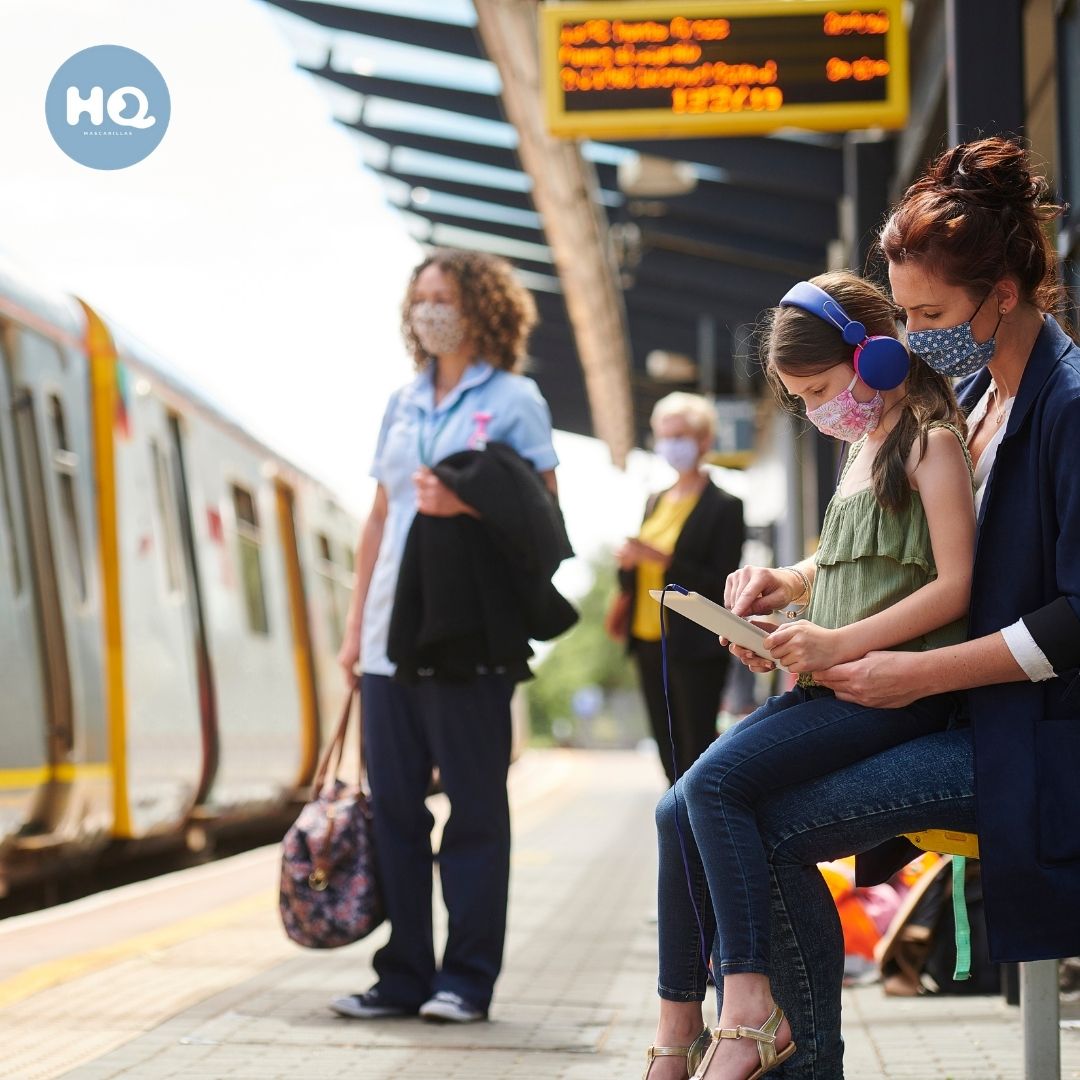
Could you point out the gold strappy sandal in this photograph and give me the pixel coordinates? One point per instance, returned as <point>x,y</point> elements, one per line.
<point>693,1053</point>
<point>764,1036</point>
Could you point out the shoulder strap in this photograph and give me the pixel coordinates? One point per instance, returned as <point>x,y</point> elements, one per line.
<point>960,438</point>
<point>336,746</point>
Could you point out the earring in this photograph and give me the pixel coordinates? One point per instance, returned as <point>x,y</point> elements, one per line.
<point>1001,311</point>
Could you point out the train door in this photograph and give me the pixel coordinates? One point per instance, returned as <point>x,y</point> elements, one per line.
<point>208,719</point>
<point>24,758</point>
<point>48,392</point>
<point>301,634</point>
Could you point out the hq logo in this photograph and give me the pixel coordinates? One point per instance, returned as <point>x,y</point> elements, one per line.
<point>107,107</point>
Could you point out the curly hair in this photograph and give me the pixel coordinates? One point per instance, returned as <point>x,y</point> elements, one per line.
<point>499,310</point>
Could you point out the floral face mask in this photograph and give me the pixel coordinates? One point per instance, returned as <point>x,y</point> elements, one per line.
<point>844,418</point>
<point>439,328</point>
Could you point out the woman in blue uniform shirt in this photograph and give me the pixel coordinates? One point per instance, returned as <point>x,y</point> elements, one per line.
<point>465,320</point>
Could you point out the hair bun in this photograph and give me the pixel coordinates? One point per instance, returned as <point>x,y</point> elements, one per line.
<point>992,173</point>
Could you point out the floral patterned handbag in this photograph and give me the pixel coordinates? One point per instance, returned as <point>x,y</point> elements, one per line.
<point>329,895</point>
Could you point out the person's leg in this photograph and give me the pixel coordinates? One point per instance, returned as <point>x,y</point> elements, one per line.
<point>723,790</point>
<point>921,784</point>
<point>469,727</point>
<point>685,932</point>
<point>816,734</point>
<point>648,660</point>
<point>399,771</point>
<point>696,687</point>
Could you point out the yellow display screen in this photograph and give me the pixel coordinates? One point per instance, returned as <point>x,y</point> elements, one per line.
<point>741,67</point>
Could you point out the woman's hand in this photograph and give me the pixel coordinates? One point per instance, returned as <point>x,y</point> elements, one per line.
<point>803,647</point>
<point>755,663</point>
<point>632,552</point>
<point>435,499</point>
<point>758,590</point>
<point>348,656</point>
<point>881,680</point>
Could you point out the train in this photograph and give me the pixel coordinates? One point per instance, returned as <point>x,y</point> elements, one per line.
<point>172,598</point>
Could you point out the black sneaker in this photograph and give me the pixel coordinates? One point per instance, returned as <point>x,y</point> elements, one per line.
<point>451,1008</point>
<point>370,1005</point>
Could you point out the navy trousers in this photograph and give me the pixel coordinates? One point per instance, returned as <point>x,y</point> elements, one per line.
<point>464,729</point>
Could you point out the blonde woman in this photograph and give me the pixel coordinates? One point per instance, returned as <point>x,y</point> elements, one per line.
<point>692,534</point>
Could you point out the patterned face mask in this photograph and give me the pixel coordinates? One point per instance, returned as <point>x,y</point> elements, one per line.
<point>439,328</point>
<point>953,350</point>
<point>846,419</point>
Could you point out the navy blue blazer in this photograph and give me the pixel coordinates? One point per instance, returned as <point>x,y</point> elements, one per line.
<point>1027,735</point>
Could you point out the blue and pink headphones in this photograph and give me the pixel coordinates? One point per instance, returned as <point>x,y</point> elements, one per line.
<point>880,361</point>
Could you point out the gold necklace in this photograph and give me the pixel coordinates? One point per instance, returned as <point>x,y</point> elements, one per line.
<point>1002,407</point>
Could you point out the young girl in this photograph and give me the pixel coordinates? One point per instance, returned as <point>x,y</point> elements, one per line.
<point>893,570</point>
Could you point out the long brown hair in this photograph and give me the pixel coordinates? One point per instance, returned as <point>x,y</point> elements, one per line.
<point>499,310</point>
<point>798,343</point>
<point>977,215</point>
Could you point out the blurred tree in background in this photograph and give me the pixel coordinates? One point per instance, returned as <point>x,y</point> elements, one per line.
<point>584,665</point>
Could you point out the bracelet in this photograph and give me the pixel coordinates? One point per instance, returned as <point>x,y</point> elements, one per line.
<point>804,591</point>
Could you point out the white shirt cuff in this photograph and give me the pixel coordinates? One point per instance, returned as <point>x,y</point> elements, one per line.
<point>1026,653</point>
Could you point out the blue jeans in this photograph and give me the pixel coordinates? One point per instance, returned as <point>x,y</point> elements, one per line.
<point>780,919</point>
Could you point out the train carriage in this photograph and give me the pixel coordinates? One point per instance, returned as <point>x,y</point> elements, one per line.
<point>171,596</point>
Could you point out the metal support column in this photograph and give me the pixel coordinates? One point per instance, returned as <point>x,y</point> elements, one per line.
<point>1040,1015</point>
<point>869,165</point>
<point>985,56</point>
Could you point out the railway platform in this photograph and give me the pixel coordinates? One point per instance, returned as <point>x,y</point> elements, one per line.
<point>190,975</point>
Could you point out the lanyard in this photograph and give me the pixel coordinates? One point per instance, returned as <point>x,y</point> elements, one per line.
<point>424,452</point>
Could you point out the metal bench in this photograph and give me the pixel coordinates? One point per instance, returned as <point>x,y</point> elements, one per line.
<point>1040,1008</point>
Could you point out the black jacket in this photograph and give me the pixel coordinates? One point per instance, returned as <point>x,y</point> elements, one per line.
<point>707,550</point>
<point>472,593</point>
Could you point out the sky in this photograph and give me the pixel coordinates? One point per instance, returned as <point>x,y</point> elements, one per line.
<point>252,251</point>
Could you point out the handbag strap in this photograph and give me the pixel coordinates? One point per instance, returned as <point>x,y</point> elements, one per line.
<point>336,746</point>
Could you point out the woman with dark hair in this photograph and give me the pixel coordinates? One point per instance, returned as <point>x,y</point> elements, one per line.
<point>972,267</point>
<point>465,320</point>
<point>893,570</point>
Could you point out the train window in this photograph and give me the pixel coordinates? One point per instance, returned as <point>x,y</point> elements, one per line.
<point>66,466</point>
<point>170,527</point>
<point>328,574</point>
<point>249,540</point>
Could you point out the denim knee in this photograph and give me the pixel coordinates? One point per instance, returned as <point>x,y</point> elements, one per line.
<point>665,812</point>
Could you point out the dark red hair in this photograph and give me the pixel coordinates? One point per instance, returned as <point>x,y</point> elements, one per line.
<point>976,216</point>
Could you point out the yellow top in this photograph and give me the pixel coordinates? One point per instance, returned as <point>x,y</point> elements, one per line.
<point>659,530</point>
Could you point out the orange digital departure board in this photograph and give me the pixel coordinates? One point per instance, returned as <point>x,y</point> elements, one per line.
<point>661,69</point>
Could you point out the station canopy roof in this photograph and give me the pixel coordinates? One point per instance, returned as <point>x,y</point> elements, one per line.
<point>694,269</point>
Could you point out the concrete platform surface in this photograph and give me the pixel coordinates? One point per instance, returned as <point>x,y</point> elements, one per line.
<point>190,975</point>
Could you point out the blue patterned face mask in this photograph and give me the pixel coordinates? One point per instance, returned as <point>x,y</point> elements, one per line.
<point>953,350</point>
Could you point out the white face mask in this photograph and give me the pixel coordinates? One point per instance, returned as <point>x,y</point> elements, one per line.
<point>439,328</point>
<point>681,454</point>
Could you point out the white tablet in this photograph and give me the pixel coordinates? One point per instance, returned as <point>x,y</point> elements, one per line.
<point>719,620</point>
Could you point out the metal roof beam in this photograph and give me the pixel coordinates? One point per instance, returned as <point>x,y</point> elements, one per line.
<point>483,225</point>
<point>759,212</point>
<point>565,194</point>
<point>675,234</point>
<point>774,164</point>
<point>473,103</point>
<point>501,157</point>
<point>515,200</point>
<point>428,34</point>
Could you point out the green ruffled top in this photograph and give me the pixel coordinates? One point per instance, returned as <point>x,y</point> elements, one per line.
<point>870,558</point>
